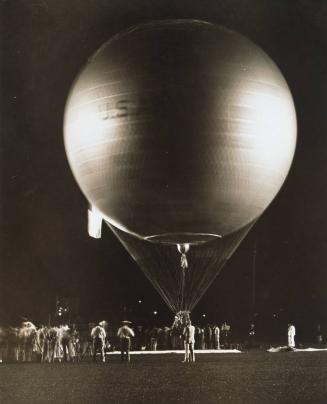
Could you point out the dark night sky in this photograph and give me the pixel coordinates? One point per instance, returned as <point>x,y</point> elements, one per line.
<point>45,249</point>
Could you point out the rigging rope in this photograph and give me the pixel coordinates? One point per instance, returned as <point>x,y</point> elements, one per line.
<point>182,275</point>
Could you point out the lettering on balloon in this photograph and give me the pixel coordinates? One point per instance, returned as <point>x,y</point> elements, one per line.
<point>122,109</point>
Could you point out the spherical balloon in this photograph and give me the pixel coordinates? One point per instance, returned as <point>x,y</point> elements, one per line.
<point>180,130</point>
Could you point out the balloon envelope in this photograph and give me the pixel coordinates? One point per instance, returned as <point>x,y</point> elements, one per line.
<point>180,130</point>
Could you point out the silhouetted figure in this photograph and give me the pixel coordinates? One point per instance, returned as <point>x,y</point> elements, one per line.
<point>251,336</point>
<point>225,333</point>
<point>98,335</point>
<point>216,337</point>
<point>207,336</point>
<point>319,335</point>
<point>125,333</point>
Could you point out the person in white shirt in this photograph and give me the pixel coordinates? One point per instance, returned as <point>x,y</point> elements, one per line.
<point>98,335</point>
<point>216,335</point>
<point>125,333</point>
<point>291,335</point>
<point>189,340</point>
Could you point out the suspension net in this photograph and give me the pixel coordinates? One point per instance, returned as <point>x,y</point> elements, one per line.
<point>181,277</point>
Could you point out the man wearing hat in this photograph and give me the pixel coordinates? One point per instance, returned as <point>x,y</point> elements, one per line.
<point>98,335</point>
<point>125,333</point>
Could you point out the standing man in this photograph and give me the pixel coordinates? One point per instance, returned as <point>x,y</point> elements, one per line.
<point>52,341</point>
<point>153,339</point>
<point>125,333</point>
<point>189,340</point>
<point>65,340</point>
<point>98,335</point>
<point>319,335</point>
<point>42,342</point>
<point>216,336</point>
<point>251,338</point>
<point>208,336</point>
<point>27,338</point>
<point>291,335</point>
<point>225,331</point>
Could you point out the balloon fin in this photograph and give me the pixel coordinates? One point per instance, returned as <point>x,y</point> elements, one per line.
<point>94,223</point>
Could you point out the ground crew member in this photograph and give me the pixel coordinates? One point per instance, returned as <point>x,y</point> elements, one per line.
<point>125,333</point>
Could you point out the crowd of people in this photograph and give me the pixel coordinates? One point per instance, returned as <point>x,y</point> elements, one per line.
<point>65,342</point>
<point>69,343</point>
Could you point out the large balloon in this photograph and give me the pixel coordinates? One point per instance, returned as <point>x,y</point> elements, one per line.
<point>180,131</point>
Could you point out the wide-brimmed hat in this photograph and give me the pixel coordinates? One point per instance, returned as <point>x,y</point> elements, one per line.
<point>126,322</point>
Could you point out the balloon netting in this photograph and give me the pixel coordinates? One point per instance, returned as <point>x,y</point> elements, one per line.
<point>181,288</point>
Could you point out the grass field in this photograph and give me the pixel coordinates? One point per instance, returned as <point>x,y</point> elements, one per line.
<point>251,377</point>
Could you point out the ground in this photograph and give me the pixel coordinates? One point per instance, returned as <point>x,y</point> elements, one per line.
<point>251,377</point>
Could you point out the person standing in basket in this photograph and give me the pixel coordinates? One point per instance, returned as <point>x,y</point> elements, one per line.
<point>125,333</point>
